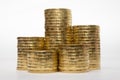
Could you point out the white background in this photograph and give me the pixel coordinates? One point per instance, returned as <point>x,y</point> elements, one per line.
<point>26,18</point>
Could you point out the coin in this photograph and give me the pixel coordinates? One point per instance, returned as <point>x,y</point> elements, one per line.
<point>29,38</point>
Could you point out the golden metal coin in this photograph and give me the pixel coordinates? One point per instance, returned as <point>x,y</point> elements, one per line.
<point>30,38</point>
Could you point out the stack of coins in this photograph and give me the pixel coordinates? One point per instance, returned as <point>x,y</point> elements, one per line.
<point>65,47</point>
<point>27,43</point>
<point>69,35</point>
<point>89,34</point>
<point>56,23</point>
<point>42,61</point>
<point>95,48</point>
<point>73,58</point>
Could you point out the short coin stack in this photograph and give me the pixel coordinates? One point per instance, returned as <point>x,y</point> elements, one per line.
<point>56,23</point>
<point>73,58</point>
<point>27,43</point>
<point>89,34</point>
<point>42,61</point>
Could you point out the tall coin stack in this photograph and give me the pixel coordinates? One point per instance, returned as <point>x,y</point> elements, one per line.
<point>56,23</point>
<point>73,58</point>
<point>25,44</point>
<point>42,61</point>
<point>89,34</point>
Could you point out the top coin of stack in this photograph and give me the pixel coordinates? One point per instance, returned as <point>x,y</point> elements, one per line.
<point>56,23</point>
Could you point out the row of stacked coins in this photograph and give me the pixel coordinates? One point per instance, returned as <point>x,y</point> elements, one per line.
<point>73,55</point>
<point>42,61</point>
<point>73,58</point>
<point>89,34</point>
<point>56,23</point>
<point>27,43</point>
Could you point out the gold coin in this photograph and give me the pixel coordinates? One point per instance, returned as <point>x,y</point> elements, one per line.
<point>57,9</point>
<point>30,38</point>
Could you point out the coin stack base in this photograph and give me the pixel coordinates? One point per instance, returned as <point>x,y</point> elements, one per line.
<point>33,71</point>
<point>73,71</point>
